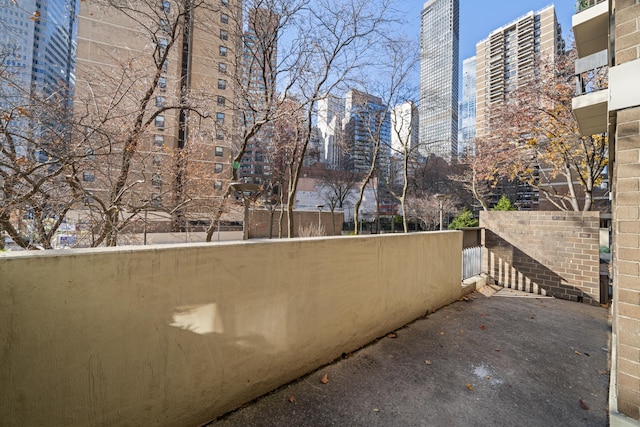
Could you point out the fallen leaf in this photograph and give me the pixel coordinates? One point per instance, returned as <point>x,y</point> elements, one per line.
<point>577,352</point>
<point>583,405</point>
<point>482,327</point>
<point>587,354</point>
<point>376,410</point>
<point>497,349</point>
<point>470,387</point>
<point>462,331</point>
<point>427,362</point>
<point>346,355</point>
<point>292,399</point>
<point>602,372</point>
<point>533,316</point>
<point>324,379</point>
<point>391,335</point>
<point>441,332</point>
<point>488,377</point>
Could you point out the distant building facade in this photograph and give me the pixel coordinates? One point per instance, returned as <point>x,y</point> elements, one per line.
<point>405,122</point>
<point>510,55</point>
<point>467,113</point>
<point>439,46</point>
<point>259,80</point>
<point>193,60</point>
<point>507,59</point>
<point>330,134</point>
<point>366,122</point>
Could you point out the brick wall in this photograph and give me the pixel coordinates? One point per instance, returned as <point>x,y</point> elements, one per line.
<point>626,223</point>
<point>549,253</point>
<point>626,260</point>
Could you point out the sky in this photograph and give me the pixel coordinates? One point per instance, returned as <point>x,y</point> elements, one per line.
<point>479,18</point>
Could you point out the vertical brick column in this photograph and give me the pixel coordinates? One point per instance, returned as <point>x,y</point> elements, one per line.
<point>626,221</point>
<point>626,260</point>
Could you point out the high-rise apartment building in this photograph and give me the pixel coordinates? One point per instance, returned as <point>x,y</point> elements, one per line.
<point>467,113</point>
<point>439,45</point>
<point>173,61</point>
<point>258,88</point>
<point>509,56</point>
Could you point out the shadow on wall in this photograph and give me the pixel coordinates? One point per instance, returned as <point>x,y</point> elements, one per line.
<point>512,268</point>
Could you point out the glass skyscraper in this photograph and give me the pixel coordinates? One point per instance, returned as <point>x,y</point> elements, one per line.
<point>439,46</point>
<point>38,44</point>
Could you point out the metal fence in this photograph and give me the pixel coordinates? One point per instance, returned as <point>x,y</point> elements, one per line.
<point>471,262</point>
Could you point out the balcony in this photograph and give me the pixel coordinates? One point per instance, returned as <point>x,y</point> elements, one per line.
<point>591,26</point>
<point>181,334</point>
<point>590,106</point>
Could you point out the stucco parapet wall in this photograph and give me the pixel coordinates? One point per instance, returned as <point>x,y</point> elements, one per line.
<point>180,334</point>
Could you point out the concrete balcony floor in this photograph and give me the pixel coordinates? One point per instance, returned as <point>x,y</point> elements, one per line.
<point>507,359</point>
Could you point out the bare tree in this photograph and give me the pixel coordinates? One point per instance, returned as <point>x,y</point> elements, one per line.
<point>336,186</point>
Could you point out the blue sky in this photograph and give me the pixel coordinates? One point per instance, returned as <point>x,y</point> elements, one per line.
<point>479,18</point>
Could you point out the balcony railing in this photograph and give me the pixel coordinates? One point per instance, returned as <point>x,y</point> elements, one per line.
<point>586,4</point>
<point>592,73</point>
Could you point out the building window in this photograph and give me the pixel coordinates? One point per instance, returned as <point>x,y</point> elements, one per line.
<point>158,140</point>
<point>157,161</point>
<point>220,118</point>
<point>219,133</point>
<point>217,168</point>
<point>222,50</point>
<point>221,101</point>
<point>222,68</point>
<point>164,26</point>
<point>219,151</point>
<point>224,18</point>
<point>165,66</point>
<point>224,35</point>
<point>162,46</point>
<point>161,101</point>
<point>156,180</point>
<point>222,84</point>
<point>156,199</point>
<point>159,121</point>
<point>224,2</point>
<point>217,185</point>
<point>88,177</point>
<point>162,83</point>
<point>165,5</point>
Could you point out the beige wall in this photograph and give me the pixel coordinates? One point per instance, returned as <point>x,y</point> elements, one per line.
<point>177,335</point>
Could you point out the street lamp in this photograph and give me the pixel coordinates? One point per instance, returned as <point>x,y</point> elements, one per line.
<point>245,189</point>
<point>440,198</point>
<point>319,216</point>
